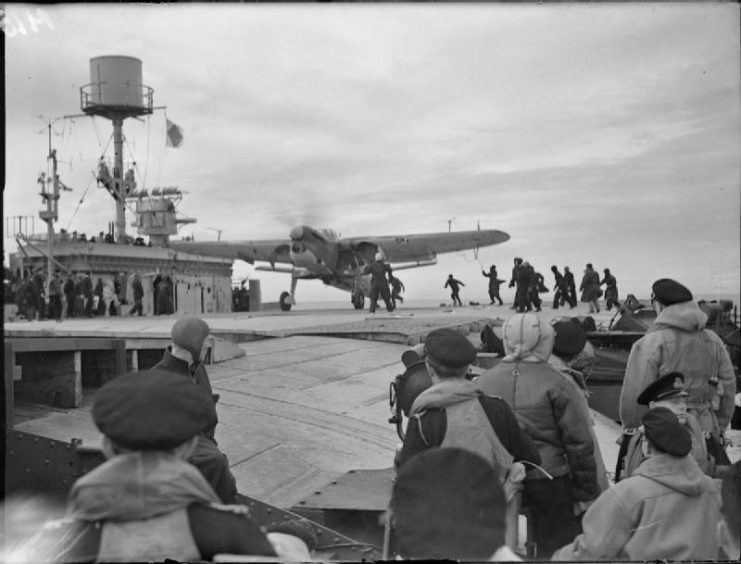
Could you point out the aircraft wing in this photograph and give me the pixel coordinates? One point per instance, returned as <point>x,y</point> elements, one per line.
<point>300,273</point>
<point>271,251</point>
<point>426,246</point>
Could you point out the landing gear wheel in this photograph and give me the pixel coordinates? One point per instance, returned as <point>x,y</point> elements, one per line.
<point>358,300</point>
<point>285,301</point>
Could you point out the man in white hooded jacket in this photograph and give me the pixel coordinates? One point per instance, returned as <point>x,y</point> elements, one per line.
<point>550,410</point>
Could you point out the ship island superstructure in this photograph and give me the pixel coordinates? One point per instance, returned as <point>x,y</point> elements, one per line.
<point>200,284</point>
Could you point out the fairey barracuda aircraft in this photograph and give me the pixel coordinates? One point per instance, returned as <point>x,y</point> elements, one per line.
<point>320,254</point>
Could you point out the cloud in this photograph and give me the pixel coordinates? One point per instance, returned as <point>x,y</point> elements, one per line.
<point>602,132</point>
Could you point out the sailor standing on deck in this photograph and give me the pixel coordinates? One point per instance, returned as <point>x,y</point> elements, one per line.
<point>184,356</point>
<point>668,510</point>
<point>145,503</point>
<point>679,342</point>
<point>454,412</point>
<point>669,392</point>
<point>138,291</point>
<point>55,297</point>
<point>561,288</point>
<point>513,281</point>
<point>551,410</point>
<point>589,288</point>
<point>571,284</point>
<point>379,283</point>
<point>611,290</point>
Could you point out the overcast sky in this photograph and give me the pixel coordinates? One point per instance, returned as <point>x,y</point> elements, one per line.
<point>605,133</point>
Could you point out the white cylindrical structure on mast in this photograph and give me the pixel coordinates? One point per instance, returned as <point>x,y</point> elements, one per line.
<point>116,80</point>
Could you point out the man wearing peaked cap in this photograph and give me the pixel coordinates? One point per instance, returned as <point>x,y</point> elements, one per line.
<point>667,510</point>
<point>679,342</point>
<point>146,503</point>
<point>666,387</point>
<point>447,503</point>
<point>452,412</point>
<point>666,392</point>
<point>184,357</point>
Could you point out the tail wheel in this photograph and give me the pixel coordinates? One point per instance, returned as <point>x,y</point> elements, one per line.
<point>284,301</point>
<point>358,300</point>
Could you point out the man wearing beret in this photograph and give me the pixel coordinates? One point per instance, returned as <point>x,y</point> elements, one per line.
<point>550,409</point>
<point>668,510</point>
<point>184,357</point>
<point>669,392</point>
<point>146,503</point>
<point>569,342</point>
<point>454,412</point>
<point>447,503</point>
<point>679,342</point>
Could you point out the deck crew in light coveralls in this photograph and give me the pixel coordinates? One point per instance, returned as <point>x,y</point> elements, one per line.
<point>679,342</point>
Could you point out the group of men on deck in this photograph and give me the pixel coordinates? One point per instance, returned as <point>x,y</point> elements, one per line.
<point>676,402</point>
<point>471,447</point>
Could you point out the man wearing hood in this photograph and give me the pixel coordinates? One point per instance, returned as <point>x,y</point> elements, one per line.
<point>668,510</point>
<point>184,357</point>
<point>146,503</point>
<point>679,342</point>
<point>550,410</point>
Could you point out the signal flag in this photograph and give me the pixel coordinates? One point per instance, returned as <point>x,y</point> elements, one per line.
<point>174,134</point>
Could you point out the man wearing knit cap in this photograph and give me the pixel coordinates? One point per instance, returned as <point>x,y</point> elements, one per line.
<point>447,503</point>
<point>551,410</point>
<point>669,392</point>
<point>679,342</point>
<point>184,357</point>
<point>668,510</point>
<point>146,503</point>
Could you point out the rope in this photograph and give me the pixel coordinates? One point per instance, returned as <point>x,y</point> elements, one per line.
<point>81,200</point>
<point>146,162</point>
